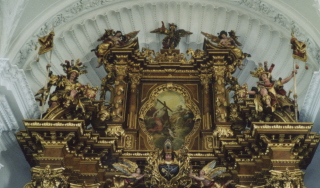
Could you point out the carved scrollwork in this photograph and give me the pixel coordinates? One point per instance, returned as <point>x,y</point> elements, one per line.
<point>128,142</point>
<point>115,131</point>
<point>47,177</point>
<point>209,142</point>
<point>223,132</point>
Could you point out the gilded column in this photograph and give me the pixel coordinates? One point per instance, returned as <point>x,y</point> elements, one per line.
<point>220,101</point>
<point>205,80</point>
<point>135,81</point>
<point>121,69</point>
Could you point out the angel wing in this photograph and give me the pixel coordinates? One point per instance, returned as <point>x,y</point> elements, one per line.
<point>182,33</point>
<point>160,30</point>
<point>128,167</point>
<point>106,34</point>
<point>58,170</point>
<point>36,170</point>
<point>276,173</point>
<point>209,167</point>
<point>213,38</point>
<point>232,34</point>
<point>216,172</point>
<point>130,36</point>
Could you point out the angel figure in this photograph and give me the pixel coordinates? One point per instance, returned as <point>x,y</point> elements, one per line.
<point>173,37</point>
<point>270,91</point>
<point>133,174</point>
<point>69,93</point>
<point>207,175</point>
<point>109,40</point>
<point>230,42</point>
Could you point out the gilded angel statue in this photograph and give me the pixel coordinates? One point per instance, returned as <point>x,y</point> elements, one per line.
<point>230,42</point>
<point>173,37</point>
<point>109,40</point>
<point>132,173</point>
<point>69,94</point>
<point>270,91</point>
<point>207,175</point>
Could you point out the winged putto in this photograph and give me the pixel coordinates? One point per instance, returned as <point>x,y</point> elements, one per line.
<point>132,175</point>
<point>208,174</point>
<point>111,39</point>
<point>225,42</point>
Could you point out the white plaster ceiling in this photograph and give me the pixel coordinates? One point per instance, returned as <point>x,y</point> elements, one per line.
<point>263,28</point>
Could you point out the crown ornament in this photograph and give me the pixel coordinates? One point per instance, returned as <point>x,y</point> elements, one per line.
<point>263,70</point>
<point>260,71</point>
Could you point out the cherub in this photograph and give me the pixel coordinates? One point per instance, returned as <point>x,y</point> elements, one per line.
<point>111,39</point>
<point>133,173</point>
<point>207,175</point>
<point>230,42</point>
<point>223,40</point>
<point>172,40</point>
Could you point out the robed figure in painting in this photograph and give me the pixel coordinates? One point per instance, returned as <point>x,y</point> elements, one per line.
<point>169,118</point>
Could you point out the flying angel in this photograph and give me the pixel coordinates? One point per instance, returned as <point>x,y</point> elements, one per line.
<point>207,175</point>
<point>174,36</point>
<point>131,170</point>
<point>231,42</point>
<point>112,39</point>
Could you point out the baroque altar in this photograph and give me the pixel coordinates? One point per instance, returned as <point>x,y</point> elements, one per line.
<point>165,119</point>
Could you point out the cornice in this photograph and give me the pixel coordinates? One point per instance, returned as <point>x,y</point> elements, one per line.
<point>7,120</point>
<point>14,80</point>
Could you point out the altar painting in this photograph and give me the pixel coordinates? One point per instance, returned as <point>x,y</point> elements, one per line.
<point>169,118</point>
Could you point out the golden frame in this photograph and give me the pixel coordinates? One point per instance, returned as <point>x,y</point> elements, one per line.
<point>190,104</point>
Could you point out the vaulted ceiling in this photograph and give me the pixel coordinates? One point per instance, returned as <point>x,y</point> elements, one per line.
<point>264,29</point>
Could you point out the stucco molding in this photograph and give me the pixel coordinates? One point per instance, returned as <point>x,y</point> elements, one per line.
<point>10,14</point>
<point>7,120</point>
<point>300,25</point>
<point>311,103</point>
<point>79,8</point>
<point>14,80</point>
